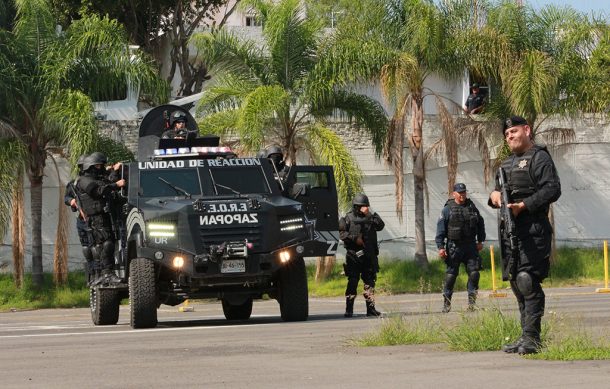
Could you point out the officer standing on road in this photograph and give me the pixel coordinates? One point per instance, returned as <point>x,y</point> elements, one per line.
<point>178,128</point>
<point>95,191</point>
<point>460,233</point>
<point>533,184</point>
<point>71,199</point>
<point>358,231</point>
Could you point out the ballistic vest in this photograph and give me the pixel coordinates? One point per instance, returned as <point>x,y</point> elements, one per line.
<point>521,185</point>
<point>91,206</point>
<point>463,221</point>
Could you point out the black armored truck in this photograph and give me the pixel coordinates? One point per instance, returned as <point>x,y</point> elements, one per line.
<point>197,221</point>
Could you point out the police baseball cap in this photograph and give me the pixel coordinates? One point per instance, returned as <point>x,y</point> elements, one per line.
<point>475,85</point>
<point>459,187</point>
<point>512,122</point>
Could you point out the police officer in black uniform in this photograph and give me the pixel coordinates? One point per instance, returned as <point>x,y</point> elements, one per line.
<point>533,184</point>
<point>178,128</point>
<point>275,154</point>
<point>72,200</point>
<point>358,231</point>
<point>460,233</point>
<point>96,187</point>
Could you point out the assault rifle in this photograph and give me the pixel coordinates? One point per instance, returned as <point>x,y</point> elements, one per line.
<point>507,229</point>
<point>75,196</point>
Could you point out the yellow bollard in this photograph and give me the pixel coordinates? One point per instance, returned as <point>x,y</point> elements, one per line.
<point>605,289</point>
<point>494,293</point>
<point>186,307</point>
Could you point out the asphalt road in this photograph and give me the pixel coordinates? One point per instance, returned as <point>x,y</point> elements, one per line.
<point>62,349</point>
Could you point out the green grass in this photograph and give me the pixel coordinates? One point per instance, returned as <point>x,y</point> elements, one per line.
<point>396,330</point>
<point>574,266</point>
<point>482,331</point>
<point>576,346</point>
<point>488,330</point>
<point>73,294</point>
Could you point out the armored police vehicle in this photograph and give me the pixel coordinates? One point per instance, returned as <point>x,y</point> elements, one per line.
<point>199,222</point>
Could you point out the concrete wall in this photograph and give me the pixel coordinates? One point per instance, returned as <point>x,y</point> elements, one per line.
<point>582,213</point>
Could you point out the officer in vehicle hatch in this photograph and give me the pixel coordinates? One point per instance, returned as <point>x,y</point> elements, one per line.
<point>358,231</point>
<point>460,233</point>
<point>178,128</point>
<point>95,191</point>
<point>533,184</point>
<point>72,200</point>
<point>275,154</point>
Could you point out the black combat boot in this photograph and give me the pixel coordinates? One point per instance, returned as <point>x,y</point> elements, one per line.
<point>529,345</point>
<point>110,277</point>
<point>446,304</point>
<point>370,309</point>
<point>349,306</point>
<point>472,299</point>
<point>513,347</point>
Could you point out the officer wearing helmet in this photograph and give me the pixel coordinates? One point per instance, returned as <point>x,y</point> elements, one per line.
<point>72,200</point>
<point>95,190</point>
<point>358,231</point>
<point>178,128</point>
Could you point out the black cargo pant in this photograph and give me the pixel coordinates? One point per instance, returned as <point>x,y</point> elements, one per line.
<point>103,241</point>
<point>534,235</point>
<point>356,268</point>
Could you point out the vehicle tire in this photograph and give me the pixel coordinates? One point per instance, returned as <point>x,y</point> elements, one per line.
<point>292,293</point>
<point>237,312</point>
<point>142,293</point>
<point>104,304</point>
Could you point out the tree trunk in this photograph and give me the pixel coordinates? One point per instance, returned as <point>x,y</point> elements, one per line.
<point>18,218</point>
<point>60,254</point>
<point>36,208</point>
<point>324,266</point>
<point>419,177</point>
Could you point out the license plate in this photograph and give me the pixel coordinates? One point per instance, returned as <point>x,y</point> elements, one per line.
<point>233,266</point>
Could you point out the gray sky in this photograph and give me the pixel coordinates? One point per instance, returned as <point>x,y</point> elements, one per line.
<point>587,6</point>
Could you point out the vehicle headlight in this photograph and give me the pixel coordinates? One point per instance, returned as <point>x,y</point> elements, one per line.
<point>291,223</point>
<point>161,230</point>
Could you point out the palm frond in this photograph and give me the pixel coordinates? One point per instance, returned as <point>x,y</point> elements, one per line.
<point>222,52</point>
<point>34,27</point>
<point>328,149</point>
<point>366,112</point>
<point>219,123</point>
<point>68,118</point>
<point>227,92</point>
<point>260,109</point>
<point>12,164</point>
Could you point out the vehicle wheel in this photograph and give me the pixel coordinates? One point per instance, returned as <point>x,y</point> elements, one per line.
<point>237,312</point>
<point>104,304</point>
<point>293,296</point>
<point>142,293</point>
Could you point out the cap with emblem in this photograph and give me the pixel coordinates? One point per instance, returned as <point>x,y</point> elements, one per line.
<point>459,187</point>
<point>512,122</point>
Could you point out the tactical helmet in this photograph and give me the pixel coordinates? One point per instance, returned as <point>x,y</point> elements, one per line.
<point>96,158</point>
<point>261,154</point>
<point>274,150</point>
<point>177,116</point>
<point>81,160</point>
<point>361,200</point>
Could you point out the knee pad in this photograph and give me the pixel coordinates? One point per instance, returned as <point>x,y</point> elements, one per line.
<point>87,253</point>
<point>525,283</point>
<point>450,281</point>
<point>96,251</point>
<point>474,277</point>
<point>108,249</point>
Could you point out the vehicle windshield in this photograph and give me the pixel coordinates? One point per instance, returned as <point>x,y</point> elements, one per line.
<point>240,179</point>
<point>185,179</point>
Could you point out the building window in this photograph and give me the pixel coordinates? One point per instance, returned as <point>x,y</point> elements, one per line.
<point>252,21</point>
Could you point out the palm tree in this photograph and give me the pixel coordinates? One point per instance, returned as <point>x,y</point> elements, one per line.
<point>401,43</point>
<point>282,91</point>
<point>47,81</point>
